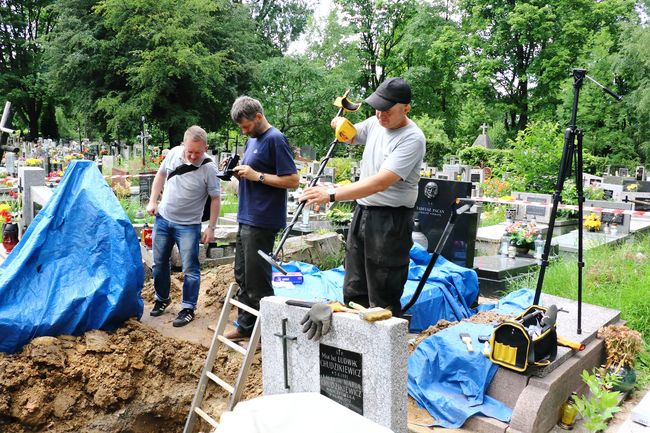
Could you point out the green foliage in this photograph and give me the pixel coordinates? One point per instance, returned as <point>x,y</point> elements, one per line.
<point>342,168</point>
<point>131,206</point>
<point>602,404</point>
<point>280,22</point>
<point>536,156</point>
<point>21,64</point>
<point>616,277</point>
<point>437,142</point>
<point>341,212</point>
<point>175,62</point>
<point>297,95</point>
<point>497,159</point>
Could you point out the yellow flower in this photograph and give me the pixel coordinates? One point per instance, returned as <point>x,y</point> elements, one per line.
<point>5,207</point>
<point>592,222</point>
<point>507,198</point>
<point>33,161</point>
<point>632,187</point>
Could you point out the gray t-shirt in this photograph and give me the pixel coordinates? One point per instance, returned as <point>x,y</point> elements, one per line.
<point>398,150</point>
<point>184,195</point>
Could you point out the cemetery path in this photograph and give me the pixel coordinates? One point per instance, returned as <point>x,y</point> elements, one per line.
<point>138,379</point>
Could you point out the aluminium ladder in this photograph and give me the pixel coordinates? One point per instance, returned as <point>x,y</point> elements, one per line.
<point>237,389</point>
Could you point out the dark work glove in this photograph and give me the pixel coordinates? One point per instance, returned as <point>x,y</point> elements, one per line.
<point>317,321</point>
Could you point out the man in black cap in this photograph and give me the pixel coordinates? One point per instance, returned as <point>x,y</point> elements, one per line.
<point>379,241</point>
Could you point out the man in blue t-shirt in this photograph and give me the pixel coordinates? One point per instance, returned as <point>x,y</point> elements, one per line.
<point>267,170</point>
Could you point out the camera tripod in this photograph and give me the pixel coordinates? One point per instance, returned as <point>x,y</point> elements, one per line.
<point>572,151</point>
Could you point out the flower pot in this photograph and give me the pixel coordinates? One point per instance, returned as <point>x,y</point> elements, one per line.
<point>522,249</point>
<point>626,379</point>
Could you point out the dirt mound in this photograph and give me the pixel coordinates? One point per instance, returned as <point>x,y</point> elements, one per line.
<point>214,286</point>
<point>131,380</point>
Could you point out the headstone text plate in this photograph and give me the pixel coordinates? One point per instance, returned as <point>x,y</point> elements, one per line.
<point>341,377</point>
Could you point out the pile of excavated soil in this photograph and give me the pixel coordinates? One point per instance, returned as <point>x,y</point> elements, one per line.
<point>485,317</point>
<point>132,380</point>
<point>214,287</point>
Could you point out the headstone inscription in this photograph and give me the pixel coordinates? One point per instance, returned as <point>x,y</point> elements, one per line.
<point>542,214</point>
<point>358,364</point>
<point>434,207</point>
<point>341,376</point>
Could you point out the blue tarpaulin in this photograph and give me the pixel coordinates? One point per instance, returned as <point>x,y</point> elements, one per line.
<point>78,266</point>
<point>449,290</point>
<point>450,382</point>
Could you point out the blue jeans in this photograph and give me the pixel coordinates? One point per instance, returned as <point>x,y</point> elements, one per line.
<point>187,238</point>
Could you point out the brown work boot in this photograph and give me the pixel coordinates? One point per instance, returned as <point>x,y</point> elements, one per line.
<point>236,335</point>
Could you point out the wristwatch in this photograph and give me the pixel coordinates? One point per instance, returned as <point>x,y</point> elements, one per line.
<point>332,193</point>
<point>213,227</point>
<point>261,178</point>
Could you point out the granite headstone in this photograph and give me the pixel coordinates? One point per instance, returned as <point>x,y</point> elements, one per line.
<point>434,207</point>
<point>360,365</point>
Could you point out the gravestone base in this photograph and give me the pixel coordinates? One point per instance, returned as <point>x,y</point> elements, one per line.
<point>536,396</point>
<point>358,364</point>
<point>568,243</point>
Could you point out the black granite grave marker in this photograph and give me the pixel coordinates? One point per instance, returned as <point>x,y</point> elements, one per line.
<point>341,377</point>
<point>433,207</point>
<point>145,188</point>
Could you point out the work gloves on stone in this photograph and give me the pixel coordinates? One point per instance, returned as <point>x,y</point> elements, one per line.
<point>318,321</point>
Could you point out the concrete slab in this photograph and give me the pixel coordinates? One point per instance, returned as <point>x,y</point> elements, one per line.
<point>568,243</point>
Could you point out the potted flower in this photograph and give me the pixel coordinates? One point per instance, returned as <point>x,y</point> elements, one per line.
<point>522,235</point>
<point>592,222</point>
<point>622,345</point>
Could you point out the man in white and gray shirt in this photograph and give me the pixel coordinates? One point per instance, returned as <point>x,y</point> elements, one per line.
<point>189,177</point>
<point>379,241</point>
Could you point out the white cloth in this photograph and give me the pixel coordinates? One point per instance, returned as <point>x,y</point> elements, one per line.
<point>295,413</point>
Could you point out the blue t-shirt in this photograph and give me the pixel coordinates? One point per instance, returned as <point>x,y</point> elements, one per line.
<point>262,205</point>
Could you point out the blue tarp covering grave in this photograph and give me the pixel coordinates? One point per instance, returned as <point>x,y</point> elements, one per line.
<point>450,382</point>
<point>448,293</point>
<point>77,268</point>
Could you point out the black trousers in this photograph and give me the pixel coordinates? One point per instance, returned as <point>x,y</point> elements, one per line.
<point>252,272</point>
<point>377,256</point>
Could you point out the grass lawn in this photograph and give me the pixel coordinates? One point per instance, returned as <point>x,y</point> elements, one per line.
<point>615,277</point>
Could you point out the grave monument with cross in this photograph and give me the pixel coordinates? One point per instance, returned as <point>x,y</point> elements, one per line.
<point>483,139</point>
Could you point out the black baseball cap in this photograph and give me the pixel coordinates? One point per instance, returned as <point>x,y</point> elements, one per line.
<point>390,92</point>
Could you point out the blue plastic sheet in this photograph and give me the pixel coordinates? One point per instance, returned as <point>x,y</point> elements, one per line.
<point>449,290</point>
<point>451,383</point>
<point>77,268</point>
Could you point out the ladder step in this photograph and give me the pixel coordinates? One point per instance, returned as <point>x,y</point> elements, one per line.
<point>225,385</point>
<point>232,345</point>
<point>244,307</point>
<point>206,417</point>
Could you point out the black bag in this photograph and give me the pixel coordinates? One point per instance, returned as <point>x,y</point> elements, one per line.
<point>512,347</point>
<point>186,168</point>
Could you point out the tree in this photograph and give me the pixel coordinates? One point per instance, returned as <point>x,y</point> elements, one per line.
<point>175,62</point>
<point>280,22</point>
<point>380,26</point>
<point>22,25</point>
<point>297,95</point>
<point>525,47</point>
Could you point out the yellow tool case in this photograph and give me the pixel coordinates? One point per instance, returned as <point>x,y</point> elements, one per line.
<point>526,340</point>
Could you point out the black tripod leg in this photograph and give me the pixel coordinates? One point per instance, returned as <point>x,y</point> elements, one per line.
<point>565,165</point>
<point>581,200</point>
